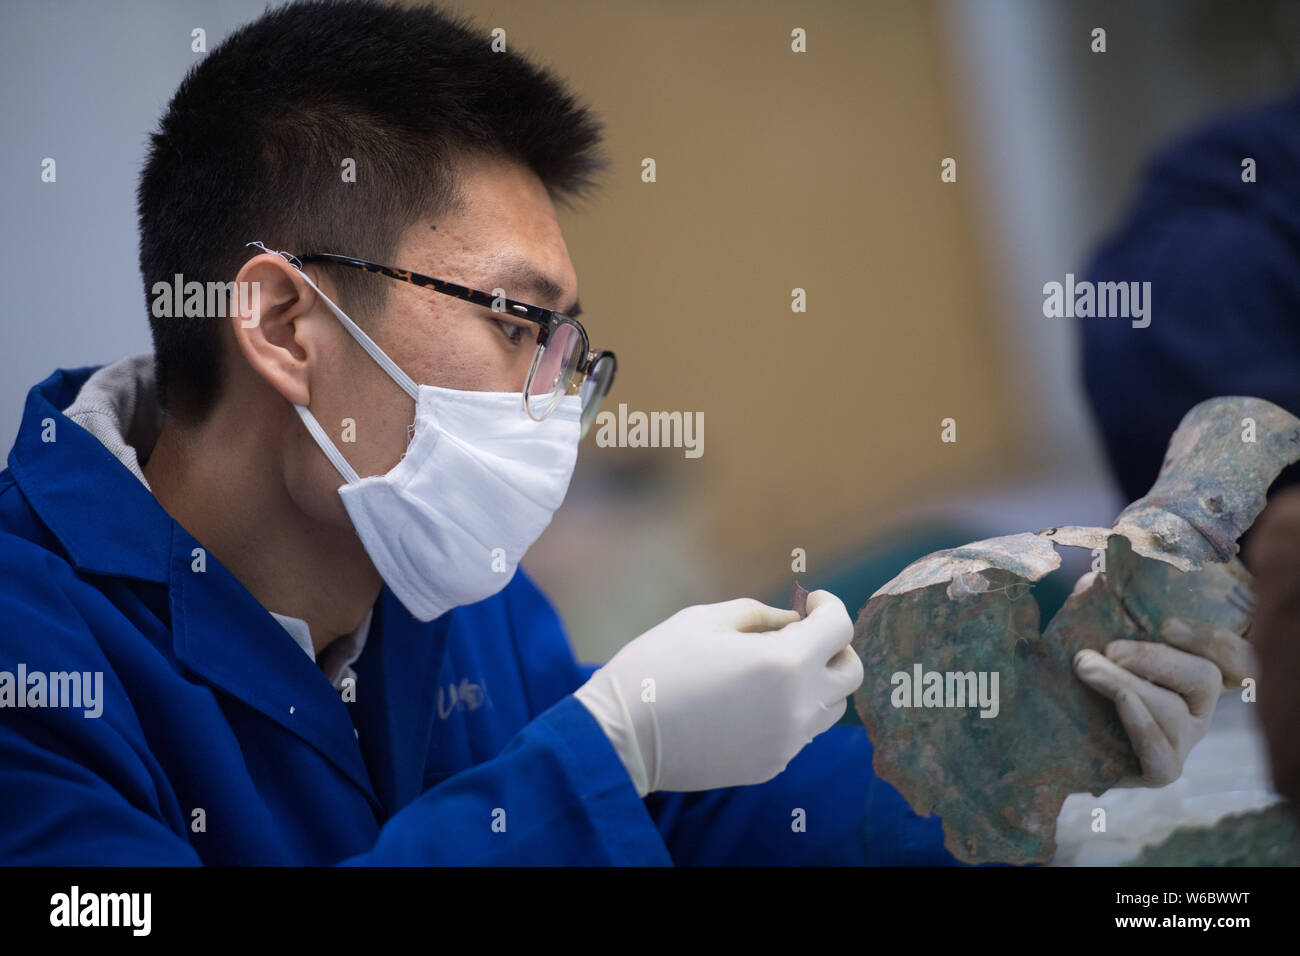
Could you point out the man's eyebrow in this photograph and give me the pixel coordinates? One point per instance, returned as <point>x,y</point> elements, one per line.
<point>521,273</point>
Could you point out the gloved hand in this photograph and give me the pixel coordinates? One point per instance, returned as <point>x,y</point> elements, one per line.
<point>1165,695</point>
<point>723,695</point>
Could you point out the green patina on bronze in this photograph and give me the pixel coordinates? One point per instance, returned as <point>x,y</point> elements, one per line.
<point>998,782</point>
<point>1268,837</point>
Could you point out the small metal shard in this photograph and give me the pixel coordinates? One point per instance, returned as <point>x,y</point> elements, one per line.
<point>799,600</point>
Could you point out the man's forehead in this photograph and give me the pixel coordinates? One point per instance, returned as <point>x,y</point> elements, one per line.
<point>505,226</point>
<point>517,272</point>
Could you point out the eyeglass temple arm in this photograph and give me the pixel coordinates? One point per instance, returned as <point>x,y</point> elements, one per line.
<point>534,313</point>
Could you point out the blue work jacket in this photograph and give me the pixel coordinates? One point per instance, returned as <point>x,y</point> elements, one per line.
<point>220,742</point>
<point>1221,249</point>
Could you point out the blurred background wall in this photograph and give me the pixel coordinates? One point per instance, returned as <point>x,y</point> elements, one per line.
<point>775,170</point>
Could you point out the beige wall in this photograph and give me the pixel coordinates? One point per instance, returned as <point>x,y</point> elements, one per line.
<point>775,170</point>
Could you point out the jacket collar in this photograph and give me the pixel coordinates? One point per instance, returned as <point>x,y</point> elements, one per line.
<point>255,660</point>
<point>110,524</point>
<point>106,520</point>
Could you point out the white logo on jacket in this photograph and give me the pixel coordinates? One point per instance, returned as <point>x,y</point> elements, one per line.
<point>466,695</point>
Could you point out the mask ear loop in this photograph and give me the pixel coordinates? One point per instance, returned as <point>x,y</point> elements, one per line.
<point>326,444</point>
<point>366,342</point>
<point>288,257</point>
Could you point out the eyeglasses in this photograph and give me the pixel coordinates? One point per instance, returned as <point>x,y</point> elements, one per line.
<point>564,362</point>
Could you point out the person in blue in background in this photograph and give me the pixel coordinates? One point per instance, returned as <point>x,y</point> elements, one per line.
<point>1215,229</point>
<point>259,588</point>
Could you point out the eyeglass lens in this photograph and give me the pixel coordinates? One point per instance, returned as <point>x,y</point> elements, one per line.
<point>594,388</point>
<point>553,369</point>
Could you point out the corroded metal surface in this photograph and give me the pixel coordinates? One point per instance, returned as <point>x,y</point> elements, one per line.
<point>1268,837</point>
<point>998,780</point>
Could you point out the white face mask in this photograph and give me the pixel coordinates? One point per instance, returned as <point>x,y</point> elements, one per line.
<point>479,483</point>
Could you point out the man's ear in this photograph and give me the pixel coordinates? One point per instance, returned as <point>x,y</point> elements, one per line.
<point>272,308</point>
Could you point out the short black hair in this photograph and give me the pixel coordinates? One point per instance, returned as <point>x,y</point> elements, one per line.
<point>252,145</point>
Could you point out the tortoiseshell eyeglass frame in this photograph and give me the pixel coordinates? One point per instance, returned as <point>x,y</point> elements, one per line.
<point>547,319</point>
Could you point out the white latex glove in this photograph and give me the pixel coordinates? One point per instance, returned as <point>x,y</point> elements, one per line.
<point>714,697</point>
<point>1165,695</point>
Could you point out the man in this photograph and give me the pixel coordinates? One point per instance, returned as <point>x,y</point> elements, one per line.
<point>280,553</point>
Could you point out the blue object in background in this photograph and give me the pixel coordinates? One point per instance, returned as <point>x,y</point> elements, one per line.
<point>1223,259</point>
